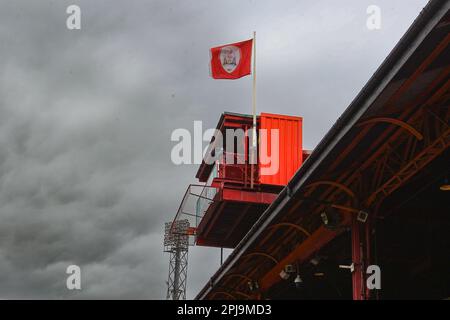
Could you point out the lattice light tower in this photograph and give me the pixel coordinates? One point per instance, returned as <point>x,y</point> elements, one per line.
<point>176,242</point>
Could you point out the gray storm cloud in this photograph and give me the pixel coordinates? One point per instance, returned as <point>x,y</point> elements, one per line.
<point>86,118</point>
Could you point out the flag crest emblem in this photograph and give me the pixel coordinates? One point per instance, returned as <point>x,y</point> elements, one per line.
<point>230,57</point>
<point>231,61</point>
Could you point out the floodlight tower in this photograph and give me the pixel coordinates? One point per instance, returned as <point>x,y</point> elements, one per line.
<point>176,242</point>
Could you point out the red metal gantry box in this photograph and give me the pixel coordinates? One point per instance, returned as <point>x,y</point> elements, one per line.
<point>227,207</point>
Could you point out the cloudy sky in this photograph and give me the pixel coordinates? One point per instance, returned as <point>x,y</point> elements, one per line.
<point>86,117</point>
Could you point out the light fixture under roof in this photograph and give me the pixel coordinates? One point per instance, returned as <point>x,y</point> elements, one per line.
<point>315,261</point>
<point>362,216</point>
<point>319,274</point>
<point>289,268</point>
<point>445,186</point>
<point>253,285</point>
<point>298,281</point>
<point>284,275</point>
<point>350,267</point>
<point>286,272</point>
<point>324,217</point>
<point>331,218</point>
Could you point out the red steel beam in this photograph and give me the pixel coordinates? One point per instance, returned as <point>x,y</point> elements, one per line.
<point>229,194</point>
<point>317,240</point>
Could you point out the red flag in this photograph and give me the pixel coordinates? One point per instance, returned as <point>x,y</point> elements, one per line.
<point>231,61</point>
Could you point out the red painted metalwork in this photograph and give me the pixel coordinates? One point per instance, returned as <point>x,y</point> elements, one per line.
<point>290,146</point>
<point>235,207</point>
<point>368,252</point>
<point>228,217</point>
<point>247,196</point>
<point>226,121</point>
<point>301,253</point>
<point>357,274</point>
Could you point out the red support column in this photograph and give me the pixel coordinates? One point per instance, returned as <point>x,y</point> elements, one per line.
<point>368,256</point>
<point>357,275</point>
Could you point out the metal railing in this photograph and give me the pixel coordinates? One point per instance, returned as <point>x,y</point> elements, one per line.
<point>235,167</point>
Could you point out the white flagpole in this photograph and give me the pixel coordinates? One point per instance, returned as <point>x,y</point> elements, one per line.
<point>254,141</point>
